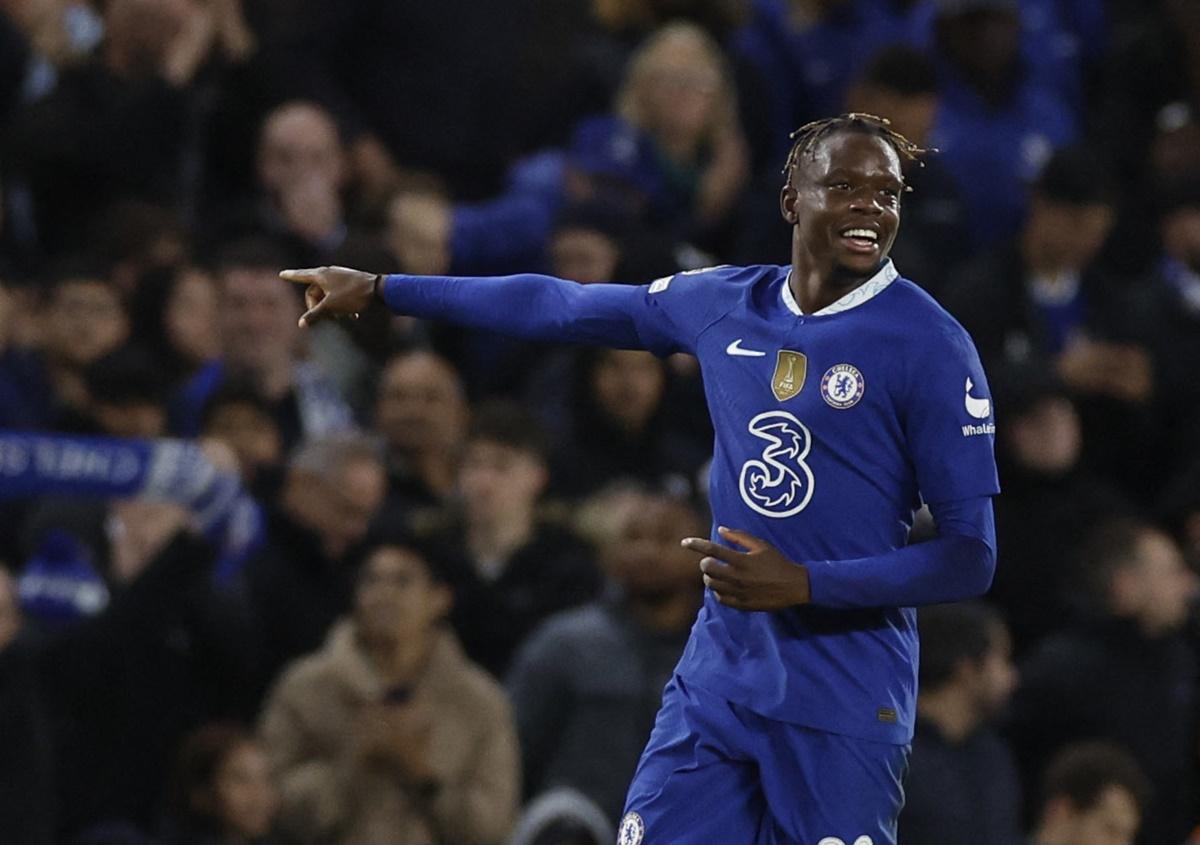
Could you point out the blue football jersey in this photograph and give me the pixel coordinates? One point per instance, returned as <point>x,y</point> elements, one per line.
<point>830,430</point>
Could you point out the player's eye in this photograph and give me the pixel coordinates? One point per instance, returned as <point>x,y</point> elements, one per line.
<point>840,186</point>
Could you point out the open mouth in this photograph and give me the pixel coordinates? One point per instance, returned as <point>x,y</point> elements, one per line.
<point>860,239</point>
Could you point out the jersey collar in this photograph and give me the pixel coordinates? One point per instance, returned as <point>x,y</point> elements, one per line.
<point>869,289</point>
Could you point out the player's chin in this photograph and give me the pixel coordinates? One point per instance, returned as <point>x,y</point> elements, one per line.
<point>860,263</point>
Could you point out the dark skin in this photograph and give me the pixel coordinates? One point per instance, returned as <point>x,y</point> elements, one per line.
<point>852,181</point>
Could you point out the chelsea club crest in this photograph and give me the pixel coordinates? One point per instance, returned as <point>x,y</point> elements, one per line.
<point>632,830</point>
<point>842,386</point>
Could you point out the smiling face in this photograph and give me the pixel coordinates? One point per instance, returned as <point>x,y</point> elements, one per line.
<point>844,202</point>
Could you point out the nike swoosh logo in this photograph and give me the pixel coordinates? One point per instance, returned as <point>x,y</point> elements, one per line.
<point>735,348</point>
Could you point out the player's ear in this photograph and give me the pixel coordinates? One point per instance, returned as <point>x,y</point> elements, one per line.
<point>787,203</point>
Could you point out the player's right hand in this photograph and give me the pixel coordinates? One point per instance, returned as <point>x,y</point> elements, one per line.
<point>333,291</point>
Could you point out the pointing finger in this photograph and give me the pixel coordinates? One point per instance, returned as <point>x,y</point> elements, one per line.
<point>303,277</point>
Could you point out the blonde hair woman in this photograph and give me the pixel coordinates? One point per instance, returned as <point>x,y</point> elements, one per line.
<point>679,91</point>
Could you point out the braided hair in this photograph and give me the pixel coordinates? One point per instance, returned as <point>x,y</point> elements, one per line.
<point>807,137</point>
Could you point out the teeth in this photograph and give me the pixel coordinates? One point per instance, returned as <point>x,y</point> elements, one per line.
<point>861,233</point>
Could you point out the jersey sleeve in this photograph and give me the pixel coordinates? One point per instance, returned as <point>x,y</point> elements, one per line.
<point>665,316</point>
<point>958,564</point>
<point>948,418</point>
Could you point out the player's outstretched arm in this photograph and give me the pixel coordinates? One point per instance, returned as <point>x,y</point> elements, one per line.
<point>530,306</point>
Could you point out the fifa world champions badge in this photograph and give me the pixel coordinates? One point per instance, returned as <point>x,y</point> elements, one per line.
<point>842,386</point>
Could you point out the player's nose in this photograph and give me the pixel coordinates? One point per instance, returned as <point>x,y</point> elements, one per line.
<point>866,202</point>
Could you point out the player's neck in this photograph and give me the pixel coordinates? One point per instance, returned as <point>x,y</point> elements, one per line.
<point>815,287</point>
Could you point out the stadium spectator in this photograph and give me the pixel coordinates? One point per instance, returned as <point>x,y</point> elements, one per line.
<point>679,91</point>
<point>1051,503</point>
<point>27,811</point>
<point>174,317</point>
<point>619,425</point>
<point>606,159</point>
<point>125,396</point>
<point>120,122</point>
<point>808,52</point>
<point>1037,296</point>
<point>997,124</point>
<point>461,81</point>
<point>1146,89</point>
<point>587,684</point>
<point>900,83</point>
<point>301,581</point>
<point>262,346</point>
<point>389,733</point>
<point>81,319</point>
<point>132,238</point>
<point>302,173</point>
<point>1042,298</point>
<point>513,568</point>
<point>421,413</point>
<point>241,418</point>
<point>531,136</point>
<point>1136,658</point>
<point>223,793</point>
<point>673,152</point>
<point>588,243</point>
<point>962,785</point>
<point>1092,794</point>
<point>168,653</point>
<point>1175,292</point>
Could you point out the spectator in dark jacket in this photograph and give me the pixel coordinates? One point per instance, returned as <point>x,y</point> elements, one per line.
<point>620,424</point>
<point>1041,299</point>
<point>421,414</point>
<point>513,568</point>
<point>962,787</point>
<point>27,802</point>
<point>1130,676</point>
<point>81,319</point>
<point>1050,503</point>
<point>587,684</point>
<point>301,581</point>
<point>123,687</point>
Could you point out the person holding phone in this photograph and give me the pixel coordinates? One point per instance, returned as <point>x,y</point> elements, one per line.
<point>389,733</point>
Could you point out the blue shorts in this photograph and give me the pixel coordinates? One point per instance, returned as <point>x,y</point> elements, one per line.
<point>714,772</point>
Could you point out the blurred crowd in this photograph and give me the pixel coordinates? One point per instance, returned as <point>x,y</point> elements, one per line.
<point>390,581</point>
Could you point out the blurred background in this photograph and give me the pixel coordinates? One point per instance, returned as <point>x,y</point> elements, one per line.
<point>390,581</point>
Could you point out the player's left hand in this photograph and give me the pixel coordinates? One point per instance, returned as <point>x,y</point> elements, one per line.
<point>760,578</point>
